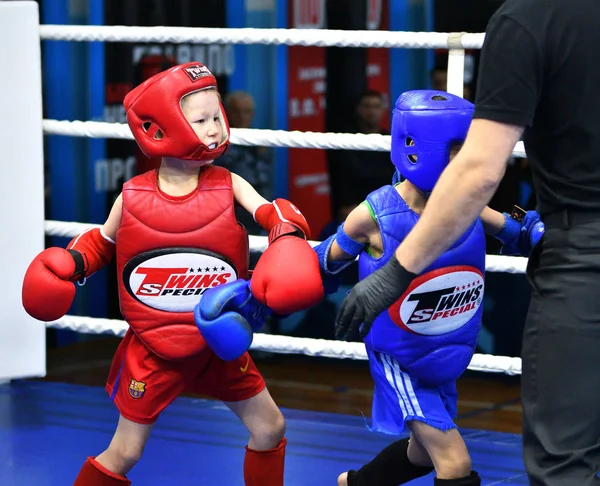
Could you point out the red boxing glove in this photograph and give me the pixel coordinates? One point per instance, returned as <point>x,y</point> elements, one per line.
<point>48,289</point>
<point>287,277</point>
<point>281,211</point>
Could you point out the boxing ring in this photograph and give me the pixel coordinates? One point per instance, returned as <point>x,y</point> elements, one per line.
<point>49,428</point>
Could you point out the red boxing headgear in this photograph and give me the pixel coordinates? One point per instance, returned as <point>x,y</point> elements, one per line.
<point>157,122</point>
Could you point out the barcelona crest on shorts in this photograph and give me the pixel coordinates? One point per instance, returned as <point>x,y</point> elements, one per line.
<point>137,388</point>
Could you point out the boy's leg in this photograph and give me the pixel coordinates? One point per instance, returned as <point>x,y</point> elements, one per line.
<point>265,452</point>
<point>124,451</point>
<point>449,454</point>
<point>241,387</point>
<point>399,401</point>
<point>141,385</point>
<point>390,467</point>
<point>126,446</point>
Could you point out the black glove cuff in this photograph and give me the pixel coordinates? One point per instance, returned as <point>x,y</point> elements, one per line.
<point>79,274</point>
<point>396,275</point>
<point>285,229</point>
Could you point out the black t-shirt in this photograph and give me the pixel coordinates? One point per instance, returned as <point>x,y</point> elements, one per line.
<point>540,68</point>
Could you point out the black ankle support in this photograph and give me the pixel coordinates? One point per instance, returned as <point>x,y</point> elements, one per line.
<point>390,467</point>
<point>472,479</point>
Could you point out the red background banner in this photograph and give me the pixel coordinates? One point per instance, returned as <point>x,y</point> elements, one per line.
<point>307,169</point>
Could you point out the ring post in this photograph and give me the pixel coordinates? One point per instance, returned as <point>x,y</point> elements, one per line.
<point>22,339</point>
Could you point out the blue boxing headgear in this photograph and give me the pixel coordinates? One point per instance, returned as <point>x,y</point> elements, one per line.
<point>425,126</point>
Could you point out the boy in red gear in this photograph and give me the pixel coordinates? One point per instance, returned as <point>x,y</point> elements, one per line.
<point>175,236</point>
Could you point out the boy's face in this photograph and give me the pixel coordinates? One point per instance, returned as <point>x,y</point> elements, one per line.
<point>203,111</point>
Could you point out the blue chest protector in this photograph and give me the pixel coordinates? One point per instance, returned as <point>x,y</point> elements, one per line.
<point>432,329</point>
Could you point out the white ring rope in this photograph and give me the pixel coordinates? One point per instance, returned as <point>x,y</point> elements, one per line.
<point>245,136</point>
<point>290,37</point>
<point>287,345</point>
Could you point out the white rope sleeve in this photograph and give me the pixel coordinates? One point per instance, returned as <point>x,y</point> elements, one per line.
<point>90,325</point>
<point>87,129</point>
<point>285,344</point>
<point>505,264</point>
<point>290,37</point>
<point>245,136</point>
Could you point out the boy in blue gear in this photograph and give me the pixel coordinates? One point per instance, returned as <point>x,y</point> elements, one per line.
<point>420,346</point>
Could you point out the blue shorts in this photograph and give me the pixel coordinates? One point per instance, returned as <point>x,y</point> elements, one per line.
<point>398,398</point>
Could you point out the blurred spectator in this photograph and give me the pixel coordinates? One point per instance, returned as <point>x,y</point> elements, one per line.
<point>369,170</point>
<point>369,111</point>
<point>239,106</point>
<point>251,163</point>
<point>439,81</point>
<point>356,173</point>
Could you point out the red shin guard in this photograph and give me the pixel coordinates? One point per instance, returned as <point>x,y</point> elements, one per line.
<point>265,468</point>
<point>95,474</point>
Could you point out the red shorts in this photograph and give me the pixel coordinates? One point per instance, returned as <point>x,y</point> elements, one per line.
<point>142,384</point>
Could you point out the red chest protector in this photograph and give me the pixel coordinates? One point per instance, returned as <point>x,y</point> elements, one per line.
<point>169,251</point>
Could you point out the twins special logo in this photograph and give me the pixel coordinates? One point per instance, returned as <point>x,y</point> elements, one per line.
<point>174,279</point>
<point>197,72</point>
<point>440,301</point>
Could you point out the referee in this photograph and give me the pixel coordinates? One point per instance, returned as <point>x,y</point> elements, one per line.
<point>539,78</point>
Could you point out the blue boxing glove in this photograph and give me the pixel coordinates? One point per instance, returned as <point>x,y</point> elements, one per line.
<point>533,229</point>
<point>509,236</point>
<point>228,316</point>
<point>520,233</point>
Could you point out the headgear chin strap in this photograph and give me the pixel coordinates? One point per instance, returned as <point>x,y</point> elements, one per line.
<point>157,122</point>
<point>425,126</point>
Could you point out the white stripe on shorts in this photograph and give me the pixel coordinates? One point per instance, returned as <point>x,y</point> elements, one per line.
<point>402,385</point>
<point>402,400</point>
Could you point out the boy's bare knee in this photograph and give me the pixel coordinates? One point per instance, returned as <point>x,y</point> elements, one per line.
<point>120,458</point>
<point>453,466</point>
<point>131,454</point>
<point>126,447</point>
<point>275,429</point>
<point>447,450</point>
<point>126,455</point>
<point>267,433</point>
